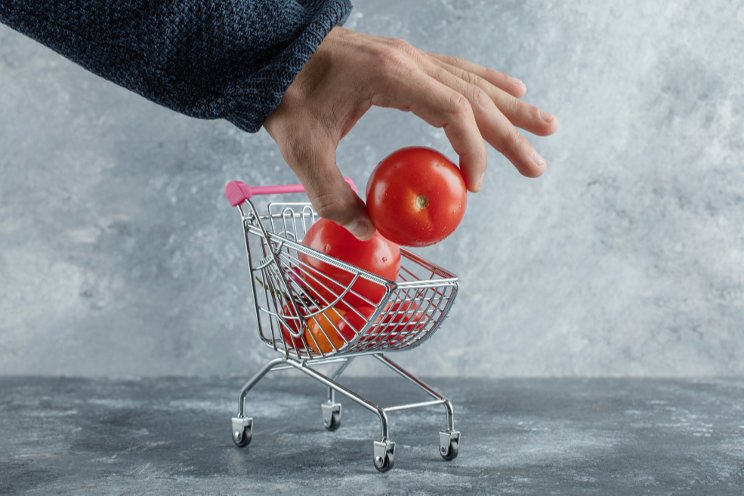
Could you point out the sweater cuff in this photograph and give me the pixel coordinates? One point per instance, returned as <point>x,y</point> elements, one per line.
<point>265,88</point>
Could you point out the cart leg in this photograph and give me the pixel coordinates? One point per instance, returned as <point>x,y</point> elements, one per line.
<point>449,440</point>
<point>242,427</point>
<point>331,409</point>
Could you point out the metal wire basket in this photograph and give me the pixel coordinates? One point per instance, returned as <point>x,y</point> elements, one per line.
<point>304,313</point>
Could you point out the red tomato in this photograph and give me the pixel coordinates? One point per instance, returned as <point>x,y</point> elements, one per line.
<point>377,255</point>
<point>293,324</point>
<point>416,197</point>
<point>402,319</point>
<point>324,332</point>
<point>332,329</point>
<point>357,318</point>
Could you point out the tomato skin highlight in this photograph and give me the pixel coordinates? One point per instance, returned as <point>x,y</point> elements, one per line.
<point>377,255</point>
<point>416,197</point>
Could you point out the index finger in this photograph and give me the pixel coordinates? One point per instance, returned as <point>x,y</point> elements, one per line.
<point>510,84</point>
<point>443,107</point>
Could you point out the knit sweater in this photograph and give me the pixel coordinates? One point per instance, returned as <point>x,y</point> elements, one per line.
<point>211,59</point>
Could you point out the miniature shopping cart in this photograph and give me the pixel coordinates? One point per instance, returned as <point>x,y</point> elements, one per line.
<point>291,297</point>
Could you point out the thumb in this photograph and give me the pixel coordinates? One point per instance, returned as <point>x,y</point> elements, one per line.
<point>330,195</point>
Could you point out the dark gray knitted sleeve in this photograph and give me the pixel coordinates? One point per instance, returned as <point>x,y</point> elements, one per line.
<point>212,59</point>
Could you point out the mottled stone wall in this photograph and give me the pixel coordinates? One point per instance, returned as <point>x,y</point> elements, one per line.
<point>119,256</point>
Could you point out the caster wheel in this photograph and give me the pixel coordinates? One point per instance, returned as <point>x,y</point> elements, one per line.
<point>242,431</point>
<point>384,455</point>
<point>331,415</point>
<point>449,444</point>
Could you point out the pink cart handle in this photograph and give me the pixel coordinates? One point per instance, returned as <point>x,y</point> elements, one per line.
<point>237,191</point>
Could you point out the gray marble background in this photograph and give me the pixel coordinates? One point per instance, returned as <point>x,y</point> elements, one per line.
<point>119,255</point>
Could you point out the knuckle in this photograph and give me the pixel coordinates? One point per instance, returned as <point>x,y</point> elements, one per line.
<point>469,77</point>
<point>459,105</point>
<point>532,112</point>
<point>389,57</point>
<point>479,97</point>
<point>514,107</point>
<point>512,141</point>
<point>452,60</point>
<point>330,206</point>
<point>402,46</point>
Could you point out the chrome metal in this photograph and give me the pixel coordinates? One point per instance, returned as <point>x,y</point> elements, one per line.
<point>409,406</point>
<point>336,374</point>
<point>289,295</point>
<point>326,361</point>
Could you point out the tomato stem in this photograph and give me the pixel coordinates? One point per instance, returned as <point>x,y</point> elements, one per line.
<point>422,201</point>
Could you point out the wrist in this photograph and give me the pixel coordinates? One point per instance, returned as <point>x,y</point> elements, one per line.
<point>306,82</point>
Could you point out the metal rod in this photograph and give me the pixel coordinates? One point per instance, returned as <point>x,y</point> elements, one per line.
<point>327,361</point>
<point>404,373</point>
<point>336,374</point>
<point>341,369</point>
<point>409,406</point>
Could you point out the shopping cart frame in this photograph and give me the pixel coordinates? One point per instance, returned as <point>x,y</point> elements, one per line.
<point>371,340</point>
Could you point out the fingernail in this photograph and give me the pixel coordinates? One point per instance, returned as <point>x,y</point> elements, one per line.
<point>520,83</point>
<point>538,159</point>
<point>547,116</point>
<point>361,229</point>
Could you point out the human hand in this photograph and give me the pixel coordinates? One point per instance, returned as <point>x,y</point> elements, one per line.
<point>350,72</point>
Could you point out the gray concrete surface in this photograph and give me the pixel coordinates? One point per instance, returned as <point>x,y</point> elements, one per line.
<point>118,254</point>
<point>519,436</point>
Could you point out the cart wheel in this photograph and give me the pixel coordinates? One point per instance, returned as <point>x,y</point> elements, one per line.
<point>449,443</point>
<point>331,415</point>
<point>242,431</point>
<point>384,455</point>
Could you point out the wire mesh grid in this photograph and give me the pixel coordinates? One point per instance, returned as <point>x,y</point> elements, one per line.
<point>311,306</point>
